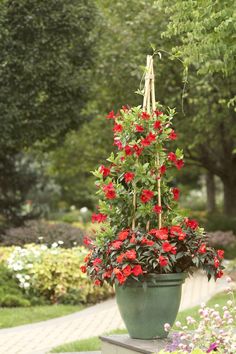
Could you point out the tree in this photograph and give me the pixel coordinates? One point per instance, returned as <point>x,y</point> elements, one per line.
<point>206,41</point>
<point>47,51</point>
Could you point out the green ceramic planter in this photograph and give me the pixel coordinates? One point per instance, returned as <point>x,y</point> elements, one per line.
<point>146,306</point>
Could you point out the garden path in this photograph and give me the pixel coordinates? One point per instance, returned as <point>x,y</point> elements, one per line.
<point>41,337</point>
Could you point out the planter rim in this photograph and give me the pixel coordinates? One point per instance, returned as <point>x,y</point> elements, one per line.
<point>154,279</point>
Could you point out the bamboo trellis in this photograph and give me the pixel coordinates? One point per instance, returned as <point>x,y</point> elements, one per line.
<point>149,106</point>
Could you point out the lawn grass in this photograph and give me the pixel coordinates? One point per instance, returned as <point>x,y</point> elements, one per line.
<point>11,317</point>
<point>94,343</point>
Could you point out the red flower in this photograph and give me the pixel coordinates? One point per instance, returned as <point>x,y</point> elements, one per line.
<point>129,176</point>
<point>216,262</point>
<point>157,125</point>
<point>117,128</point>
<point>139,128</point>
<point>162,169</point>
<point>105,171</point>
<point>121,278</point>
<point>87,241</point>
<point>120,258</point>
<point>125,108</point>
<point>109,191</point>
<point>138,150</point>
<point>147,242</point>
<point>157,209</point>
<point>202,248</point>
<point>128,150</point>
<point>131,255</point>
<point>97,282</point>
<point>166,246</point>
<point>163,261</point>
<point>173,135</point>
<point>145,115</point>
<point>97,261</point>
<point>99,217</point>
<point>177,231</point>
<point>146,195</point>
<point>137,270</point>
<point>111,115</point>
<point>220,254</point>
<point>193,224</point>
<point>219,274</point>
<point>158,113</point>
<point>179,164</point>
<point>83,269</point>
<point>172,157</point>
<point>118,143</point>
<point>161,234</point>
<point>127,270</point>
<point>116,244</point>
<point>151,137</point>
<point>173,250</point>
<point>123,235</point>
<point>175,192</point>
<point>107,274</point>
<point>145,142</point>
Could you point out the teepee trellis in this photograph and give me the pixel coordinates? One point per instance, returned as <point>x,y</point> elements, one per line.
<point>149,105</point>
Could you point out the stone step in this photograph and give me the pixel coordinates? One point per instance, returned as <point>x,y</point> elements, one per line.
<point>123,344</point>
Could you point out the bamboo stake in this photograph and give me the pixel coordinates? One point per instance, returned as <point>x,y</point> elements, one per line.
<point>134,206</point>
<point>149,104</point>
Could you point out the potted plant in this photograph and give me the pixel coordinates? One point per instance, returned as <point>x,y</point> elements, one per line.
<point>144,246</point>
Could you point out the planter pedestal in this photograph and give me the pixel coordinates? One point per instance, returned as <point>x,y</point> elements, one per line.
<point>123,344</point>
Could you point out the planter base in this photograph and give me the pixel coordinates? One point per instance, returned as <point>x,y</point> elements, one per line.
<point>123,344</point>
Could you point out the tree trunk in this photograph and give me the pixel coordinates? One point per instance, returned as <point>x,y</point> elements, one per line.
<point>229,197</point>
<point>211,198</point>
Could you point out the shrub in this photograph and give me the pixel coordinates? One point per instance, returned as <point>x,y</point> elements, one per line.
<point>10,293</point>
<point>54,274</point>
<point>225,240</point>
<point>41,231</point>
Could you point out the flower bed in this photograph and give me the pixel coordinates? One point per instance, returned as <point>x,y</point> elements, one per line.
<point>52,273</point>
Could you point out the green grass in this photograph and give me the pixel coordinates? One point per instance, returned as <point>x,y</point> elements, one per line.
<point>11,317</point>
<point>94,343</point>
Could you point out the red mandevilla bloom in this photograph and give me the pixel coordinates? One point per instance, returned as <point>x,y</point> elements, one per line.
<point>145,115</point>
<point>139,128</point>
<point>111,115</point>
<point>173,135</point>
<point>105,171</point>
<point>109,191</point>
<point>193,224</point>
<point>172,157</point>
<point>127,271</point>
<point>146,195</point>
<point>162,169</point>
<point>83,269</point>
<point>129,176</point>
<point>158,113</point>
<point>216,262</point>
<point>175,192</point>
<point>128,150</point>
<point>117,128</point>
<point>99,218</point>
<point>97,282</point>
<point>147,242</point>
<point>179,164</point>
<point>157,125</point>
<point>116,244</point>
<point>157,209</point>
<point>145,142</point>
<point>87,240</point>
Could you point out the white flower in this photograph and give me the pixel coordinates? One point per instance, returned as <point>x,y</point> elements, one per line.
<point>167,327</point>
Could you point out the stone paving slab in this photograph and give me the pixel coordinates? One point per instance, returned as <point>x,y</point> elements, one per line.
<point>41,337</point>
